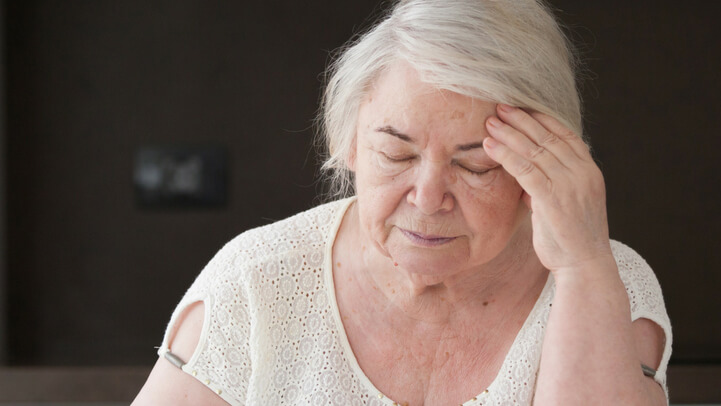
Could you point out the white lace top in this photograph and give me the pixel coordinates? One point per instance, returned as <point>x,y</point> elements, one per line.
<point>272,333</point>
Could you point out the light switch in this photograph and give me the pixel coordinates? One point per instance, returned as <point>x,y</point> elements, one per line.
<point>168,177</point>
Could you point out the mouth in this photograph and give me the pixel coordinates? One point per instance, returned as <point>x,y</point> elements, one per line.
<point>426,240</point>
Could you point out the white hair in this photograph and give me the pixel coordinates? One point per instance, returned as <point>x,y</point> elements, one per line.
<point>502,51</point>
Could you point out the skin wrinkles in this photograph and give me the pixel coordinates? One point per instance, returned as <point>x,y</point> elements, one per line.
<point>388,169</point>
<point>395,157</point>
<point>439,297</point>
<point>394,132</point>
<point>454,309</point>
<point>443,324</point>
<point>445,224</point>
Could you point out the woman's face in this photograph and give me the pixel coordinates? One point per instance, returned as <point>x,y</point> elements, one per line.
<point>428,195</point>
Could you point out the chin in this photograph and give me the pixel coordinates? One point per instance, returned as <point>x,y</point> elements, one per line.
<point>439,260</point>
<point>456,256</point>
<point>423,265</point>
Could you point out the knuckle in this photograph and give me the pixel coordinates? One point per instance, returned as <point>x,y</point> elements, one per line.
<point>536,152</point>
<point>525,168</point>
<point>548,138</point>
<point>569,134</point>
<point>524,118</point>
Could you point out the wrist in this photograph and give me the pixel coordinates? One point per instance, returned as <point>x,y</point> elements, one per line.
<point>593,285</point>
<point>600,269</point>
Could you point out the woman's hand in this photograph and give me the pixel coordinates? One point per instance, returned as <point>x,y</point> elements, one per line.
<point>563,187</point>
<point>591,321</point>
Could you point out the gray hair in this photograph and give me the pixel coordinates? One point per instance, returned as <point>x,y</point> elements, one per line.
<point>502,51</point>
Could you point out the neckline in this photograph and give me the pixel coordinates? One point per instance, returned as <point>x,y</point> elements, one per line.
<point>345,343</point>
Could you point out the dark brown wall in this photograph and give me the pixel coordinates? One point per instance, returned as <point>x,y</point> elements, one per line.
<point>93,279</point>
<point>3,199</point>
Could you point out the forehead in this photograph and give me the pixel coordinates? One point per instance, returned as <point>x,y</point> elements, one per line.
<point>400,94</point>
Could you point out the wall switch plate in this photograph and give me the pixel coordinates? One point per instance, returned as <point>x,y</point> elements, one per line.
<point>180,176</point>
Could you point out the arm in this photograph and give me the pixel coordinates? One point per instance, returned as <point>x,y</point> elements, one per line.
<point>591,348</point>
<point>168,384</point>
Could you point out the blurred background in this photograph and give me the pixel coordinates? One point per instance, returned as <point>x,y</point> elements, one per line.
<point>108,109</point>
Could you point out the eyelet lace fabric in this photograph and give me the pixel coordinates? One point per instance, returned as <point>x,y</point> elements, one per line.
<point>272,333</point>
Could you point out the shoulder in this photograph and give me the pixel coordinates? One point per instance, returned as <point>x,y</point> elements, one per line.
<point>634,270</point>
<point>627,259</point>
<point>646,301</point>
<point>249,287</point>
<point>302,229</point>
<point>642,286</point>
<point>637,275</point>
<point>236,269</point>
<point>309,230</point>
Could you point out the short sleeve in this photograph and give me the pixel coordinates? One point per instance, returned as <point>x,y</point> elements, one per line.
<point>645,297</point>
<point>221,360</point>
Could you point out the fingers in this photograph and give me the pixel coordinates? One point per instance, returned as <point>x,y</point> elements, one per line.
<point>524,146</point>
<point>535,148</point>
<point>527,124</point>
<point>546,132</point>
<point>533,181</point>
<point>572,139</point>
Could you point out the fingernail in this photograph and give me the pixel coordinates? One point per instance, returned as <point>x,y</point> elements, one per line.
<point>506,108</point>
<point>489,142</point>
<point>494,122</point>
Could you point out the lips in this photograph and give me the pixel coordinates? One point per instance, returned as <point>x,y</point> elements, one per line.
<point>426,240</point>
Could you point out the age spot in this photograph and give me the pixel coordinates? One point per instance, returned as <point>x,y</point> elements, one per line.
<point>457,115</point>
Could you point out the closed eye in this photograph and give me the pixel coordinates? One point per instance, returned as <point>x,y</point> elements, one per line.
<point>475,172</point>
<point>401,158</point>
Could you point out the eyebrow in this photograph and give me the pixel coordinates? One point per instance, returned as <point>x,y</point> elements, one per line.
<point>392,131</point>
<point>404,137</point>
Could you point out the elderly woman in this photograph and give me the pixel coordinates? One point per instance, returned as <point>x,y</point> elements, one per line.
<point>473,265</point>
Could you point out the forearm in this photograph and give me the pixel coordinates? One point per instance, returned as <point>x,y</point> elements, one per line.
<point>589,354</point>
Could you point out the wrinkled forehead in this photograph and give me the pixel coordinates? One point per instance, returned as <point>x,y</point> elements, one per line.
<point>401,105</point>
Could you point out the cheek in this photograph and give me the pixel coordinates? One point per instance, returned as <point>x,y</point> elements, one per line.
<point>379,195</point>
<point>375,208</point>
<point>495,206</point>
<point>506,189</point>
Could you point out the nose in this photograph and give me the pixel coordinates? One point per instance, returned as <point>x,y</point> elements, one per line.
<point>430,193</point>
